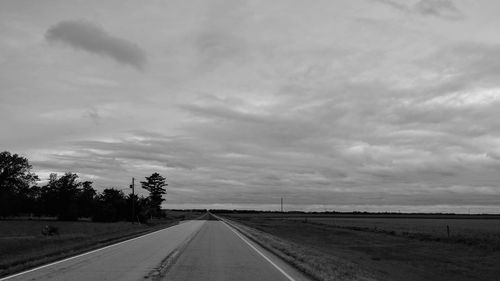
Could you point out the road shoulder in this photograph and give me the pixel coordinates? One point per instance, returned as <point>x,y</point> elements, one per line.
<point>292,273</point>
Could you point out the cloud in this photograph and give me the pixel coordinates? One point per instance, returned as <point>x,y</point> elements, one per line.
<point>395,4</point>
<point>438,8</point>
<point>468,62</point>
<point>322,104</point>
<point>94,115</point>
<point>444,9</point>
<point>212,171</point>
<point>221,38</point>
<point>87,36</point>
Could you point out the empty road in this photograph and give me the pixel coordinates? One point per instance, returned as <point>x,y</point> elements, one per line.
<point>214,252</point>
<point>218,253</point>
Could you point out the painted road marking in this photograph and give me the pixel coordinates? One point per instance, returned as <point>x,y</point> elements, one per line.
<point>260,253</point>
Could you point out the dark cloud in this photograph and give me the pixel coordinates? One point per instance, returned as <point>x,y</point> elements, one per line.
<point>94,115</point>
<point>444,9</point>
<point>90,37</point>
<point>438,8</point>
<point>395,4</point>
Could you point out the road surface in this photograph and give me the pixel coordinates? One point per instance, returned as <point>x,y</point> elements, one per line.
<point>203,250</point>
<point>130,260</point>
<point>219,253</point>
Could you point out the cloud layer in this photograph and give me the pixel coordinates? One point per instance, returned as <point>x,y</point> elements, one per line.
<point>336,104</point>
<point>87,36</point>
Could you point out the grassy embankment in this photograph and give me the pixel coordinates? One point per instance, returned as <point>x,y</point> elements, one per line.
<point>23,246</point>
<point>356,250</point>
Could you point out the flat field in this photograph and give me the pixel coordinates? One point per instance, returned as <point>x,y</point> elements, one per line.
<point>389,248</point>
<point>22,244</point>
<point>472,231</point>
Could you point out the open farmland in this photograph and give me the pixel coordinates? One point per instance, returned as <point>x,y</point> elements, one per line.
<point>390,248</point>
<point>475,231</point>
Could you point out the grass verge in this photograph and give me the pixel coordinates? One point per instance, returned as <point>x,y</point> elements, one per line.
<point>341,253</point>
<point>315,264</point>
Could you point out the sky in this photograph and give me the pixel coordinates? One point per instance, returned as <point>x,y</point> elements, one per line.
<point>368,105</point>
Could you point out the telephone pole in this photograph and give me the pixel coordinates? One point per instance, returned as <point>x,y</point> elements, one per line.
<point>282,204</point>
<point>133,199</point>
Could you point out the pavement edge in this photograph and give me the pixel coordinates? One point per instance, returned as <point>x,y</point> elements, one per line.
<point>298,274</point>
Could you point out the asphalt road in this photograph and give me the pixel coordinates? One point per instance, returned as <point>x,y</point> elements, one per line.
<point>202,250</point>
<point>129,260</point>
<point>219,253</point>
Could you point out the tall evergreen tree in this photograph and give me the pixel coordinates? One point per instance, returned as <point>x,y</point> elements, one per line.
<point>155,185</point>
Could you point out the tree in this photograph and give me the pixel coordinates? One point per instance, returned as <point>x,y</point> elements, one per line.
<point>86,199</point>
<point>142,209</point>
<point>155,185</point>
<point>28,198</point>
<point>49,196</point>
<point>111,206</point>
<point>60,196</point>
<point>15,176</point>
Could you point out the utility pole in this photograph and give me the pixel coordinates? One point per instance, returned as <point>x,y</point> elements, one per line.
<point>282,204</point>
<point>133,199</point>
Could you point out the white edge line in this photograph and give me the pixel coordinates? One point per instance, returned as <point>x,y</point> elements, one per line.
<point>81,255</point>
<point>257,250</point>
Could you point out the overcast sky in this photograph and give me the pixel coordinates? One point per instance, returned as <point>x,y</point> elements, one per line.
<point>345,105</point>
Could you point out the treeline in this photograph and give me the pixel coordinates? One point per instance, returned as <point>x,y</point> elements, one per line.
<point>67,198</point>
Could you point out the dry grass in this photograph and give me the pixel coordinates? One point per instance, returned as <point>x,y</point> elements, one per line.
<point>339,253</point>
<point>484,233</point>
<point>313,263</point>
